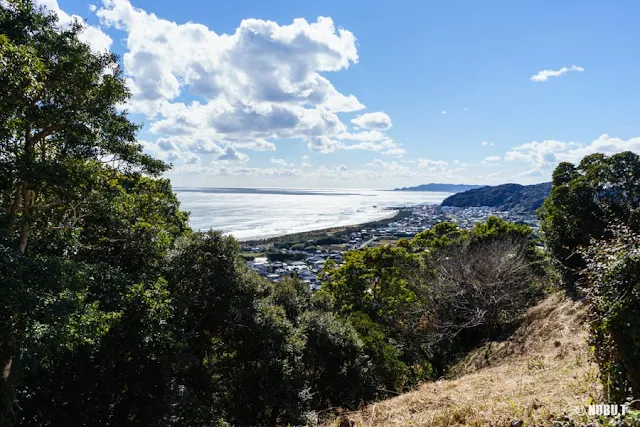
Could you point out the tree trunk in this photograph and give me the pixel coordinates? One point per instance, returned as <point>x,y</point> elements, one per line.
<point>24,237</point>
<point>6,370</point>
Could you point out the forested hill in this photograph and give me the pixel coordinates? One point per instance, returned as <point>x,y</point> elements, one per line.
<point>515,197</point>
<point>446,188</point>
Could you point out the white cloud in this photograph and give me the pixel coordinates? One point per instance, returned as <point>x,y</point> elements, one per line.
<point>543,75</point>
<point>443,112</point>
<point>377,120</point>
<point>366,136</point>
<point>432,164</point>
<point>282,162</point>
<point>546,155</point>
<point>169,151</point>
<point>93,36</point>
<point>232,155</point>
<point>604,144</point>
<point>258,144</point>
<point>324,144</point>
<point>492,159</point>
<point>486,144</point>
<point>260,63</point>
<point>262,83</point>
<point>396,152</point>
<point>540,154</point>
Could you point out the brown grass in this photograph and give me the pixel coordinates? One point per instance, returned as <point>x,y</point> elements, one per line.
<point>542,372</point>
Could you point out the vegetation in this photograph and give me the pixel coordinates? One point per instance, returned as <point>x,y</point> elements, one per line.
<point>506,197</point>
<point>420,306</point>
<point>591,224</point>
<point>538,376</point>
<point>613,277</point>
<point>112,309</point>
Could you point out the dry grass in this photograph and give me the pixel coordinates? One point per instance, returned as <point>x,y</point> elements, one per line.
<point>542,372</point>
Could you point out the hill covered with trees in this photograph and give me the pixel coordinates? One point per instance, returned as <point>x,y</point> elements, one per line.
<point>512,197</point>
<point>113,311</point>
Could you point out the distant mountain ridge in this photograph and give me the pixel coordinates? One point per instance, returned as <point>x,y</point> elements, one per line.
<point>445,188</point>
<point>512,197</point>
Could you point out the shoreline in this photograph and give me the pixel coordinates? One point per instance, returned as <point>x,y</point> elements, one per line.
<point>323,232</point>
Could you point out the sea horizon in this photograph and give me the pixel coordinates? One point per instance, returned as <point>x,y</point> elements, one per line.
<point>251,213</point>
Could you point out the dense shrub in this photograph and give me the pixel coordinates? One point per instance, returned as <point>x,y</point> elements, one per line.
<point>584,200</point>
<point>591,222</point>
<point>420,306</point>
<point>613,289</point>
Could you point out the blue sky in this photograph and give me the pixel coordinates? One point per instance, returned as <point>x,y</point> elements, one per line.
<point>375,94</point>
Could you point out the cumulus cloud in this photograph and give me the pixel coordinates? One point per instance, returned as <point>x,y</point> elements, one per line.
<point>93,36</point>
<point>492,159</point>
<point>259,84</point>
<point>232,155</point>
<point>486,144</point>
<point>437,164</point>
<point>325,144</point>
<point>540,154</point>
<point>545,155</point>
<point>394,166</point>
<point>258,144</point>
<point>282,162</point>
<point>168,151</point>
<point>543,75</point>
<point>396,152</point>
<point>377,120</point>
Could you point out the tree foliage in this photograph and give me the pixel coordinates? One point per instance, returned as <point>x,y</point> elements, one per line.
<point>505,197</point>
<point>419,306</point>
<point>584,200</point>
<point>591,224</point>
<point>613,277</point>
<point>114,311</point>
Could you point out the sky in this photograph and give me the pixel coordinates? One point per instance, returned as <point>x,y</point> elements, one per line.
<point>372,94</point>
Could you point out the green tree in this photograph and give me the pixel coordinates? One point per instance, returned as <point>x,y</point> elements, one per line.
<point>613,274</point>
<point>76,196</point>
<point>584,199</point>
<point>375,289</point>
<point>61,109</point>
<point>441,235</point>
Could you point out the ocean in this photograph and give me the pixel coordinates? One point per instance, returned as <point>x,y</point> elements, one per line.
<point>254,213</point>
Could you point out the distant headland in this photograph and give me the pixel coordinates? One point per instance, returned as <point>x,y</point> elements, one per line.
<point>444,188</point>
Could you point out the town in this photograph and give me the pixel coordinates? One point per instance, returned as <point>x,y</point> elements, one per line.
<point>306,258</point>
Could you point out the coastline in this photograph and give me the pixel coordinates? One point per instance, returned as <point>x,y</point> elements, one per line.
<point>393,214</point>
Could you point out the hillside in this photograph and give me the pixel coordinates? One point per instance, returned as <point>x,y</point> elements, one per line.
<point>542,372</point>
<point>445,188</point>
<point>514,197</point>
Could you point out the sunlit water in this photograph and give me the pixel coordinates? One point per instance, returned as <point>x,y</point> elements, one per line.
<point>250,213</point>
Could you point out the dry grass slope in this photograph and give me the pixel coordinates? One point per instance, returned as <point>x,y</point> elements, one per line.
<point>542,372</point>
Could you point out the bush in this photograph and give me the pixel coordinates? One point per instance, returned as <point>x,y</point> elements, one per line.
<point>613,276</point>
<point>584,200</point>
<point>482,289</point>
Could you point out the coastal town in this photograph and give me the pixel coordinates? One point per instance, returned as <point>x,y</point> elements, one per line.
<point>306,259</point>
